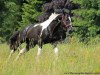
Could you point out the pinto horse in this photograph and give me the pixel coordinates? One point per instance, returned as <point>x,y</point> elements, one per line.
<point>50,31</point>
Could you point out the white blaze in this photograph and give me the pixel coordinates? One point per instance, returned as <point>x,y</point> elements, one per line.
<point>70,20</point>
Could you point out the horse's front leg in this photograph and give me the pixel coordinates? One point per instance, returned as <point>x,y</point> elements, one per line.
<point>39,50</point>
<point>55,48</point>
<point>39,47</point>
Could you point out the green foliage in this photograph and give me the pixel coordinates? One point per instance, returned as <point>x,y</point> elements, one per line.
<point>15,14</point>
<point>88,17</point>
<point>30,11</point>
<point>9,18</point>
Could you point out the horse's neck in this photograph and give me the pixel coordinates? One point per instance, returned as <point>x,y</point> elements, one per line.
<point>53,26</point>
<point>51,18</point>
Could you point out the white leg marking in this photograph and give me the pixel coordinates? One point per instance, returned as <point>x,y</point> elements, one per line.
<point>56,50</point>
<point>39,51</point>
<point>20,53</point>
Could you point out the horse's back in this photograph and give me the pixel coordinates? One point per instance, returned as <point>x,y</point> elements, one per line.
<point>34,32</point>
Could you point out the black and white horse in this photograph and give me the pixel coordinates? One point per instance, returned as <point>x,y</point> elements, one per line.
<point>50,31</point>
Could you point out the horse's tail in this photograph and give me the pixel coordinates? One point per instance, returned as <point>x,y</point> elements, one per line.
<point>13,40</point>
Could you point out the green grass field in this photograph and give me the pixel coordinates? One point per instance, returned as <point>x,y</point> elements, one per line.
<point>73,57</point>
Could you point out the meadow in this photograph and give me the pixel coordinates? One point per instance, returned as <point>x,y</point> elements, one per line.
<point>73,57</point>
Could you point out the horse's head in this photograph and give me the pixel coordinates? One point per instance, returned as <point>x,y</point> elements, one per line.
<point>66,22</point>
<point>65,19</point>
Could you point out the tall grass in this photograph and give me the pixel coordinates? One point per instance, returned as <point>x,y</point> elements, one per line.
<point>72,57</point>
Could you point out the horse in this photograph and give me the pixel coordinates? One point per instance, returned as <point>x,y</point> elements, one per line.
<point>50,31</point>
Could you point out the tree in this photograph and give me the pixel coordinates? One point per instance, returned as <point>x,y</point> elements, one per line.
<point>30,11</point>
<point>9,18</point>
<point>87,18</point>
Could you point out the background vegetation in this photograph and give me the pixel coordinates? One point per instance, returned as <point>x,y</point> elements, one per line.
<point>15,14</point>
<point>88,18</point>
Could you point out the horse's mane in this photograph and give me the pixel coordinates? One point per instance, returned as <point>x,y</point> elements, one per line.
<point>50,7</point>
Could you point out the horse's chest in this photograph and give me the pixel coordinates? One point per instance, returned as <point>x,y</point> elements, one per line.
<point>45,33</point>
<point>45,24</point>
